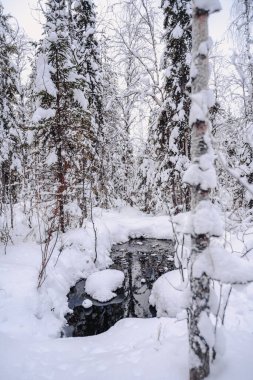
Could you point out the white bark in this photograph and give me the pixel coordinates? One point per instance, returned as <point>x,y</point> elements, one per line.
<point>200,327</point>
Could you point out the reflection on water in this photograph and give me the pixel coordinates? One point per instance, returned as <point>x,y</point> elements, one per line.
<point>142,261</point>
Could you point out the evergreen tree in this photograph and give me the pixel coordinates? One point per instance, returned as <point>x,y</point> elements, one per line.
<point>62,139</point>
<point>87,51</point>
<point>8,105</point>
<point>169,137</point>
<point>87,54</point>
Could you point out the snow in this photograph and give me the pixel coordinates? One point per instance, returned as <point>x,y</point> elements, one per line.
<point>52,37</point>
<point>132,349</point>
<point>205,47</point>
<point>42,313</point>
<point>177,32</point>
<point>206,219</point>
<point>201,102</point>
<point>193,70</point>
<point>51,158</point>
<point>237,360</point>
<point>80,98</point>
<point>135,224</point>
<point>195,176</point>
<point>43,81</point>
<point>173,138</point>
<point>208,5</point>
<point>223,266</point>
<point>149,349</point>
<point>206,161</point>
<point>169,294</point>
<point>87,303</point>
<point>73,209</point>
<point>206,329</point>
<point>101,285</point>
<point>42,113</point>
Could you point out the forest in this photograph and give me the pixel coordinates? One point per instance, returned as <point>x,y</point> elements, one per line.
<point>126,191</point>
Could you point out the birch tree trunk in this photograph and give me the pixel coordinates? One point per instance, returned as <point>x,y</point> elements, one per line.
<point>202,178</point>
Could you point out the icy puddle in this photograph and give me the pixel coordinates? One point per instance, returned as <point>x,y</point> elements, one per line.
<point>142,261</point>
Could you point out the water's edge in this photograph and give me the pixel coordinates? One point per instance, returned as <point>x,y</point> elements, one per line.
<point>142,261</point>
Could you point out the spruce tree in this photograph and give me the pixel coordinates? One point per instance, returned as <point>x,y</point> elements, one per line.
<point>8,105</point>
<point>87,53</point>
<point>60,120</point>
<point>170,135</point>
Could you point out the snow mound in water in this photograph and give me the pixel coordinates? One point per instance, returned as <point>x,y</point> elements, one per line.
<point>170,294</point>
<point>101,285</point>
<point>87,303</point>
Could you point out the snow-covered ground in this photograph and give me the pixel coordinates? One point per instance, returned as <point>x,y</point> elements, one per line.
<point>150,349</point>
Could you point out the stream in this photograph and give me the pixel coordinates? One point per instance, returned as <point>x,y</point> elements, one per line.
<point>142,261</point>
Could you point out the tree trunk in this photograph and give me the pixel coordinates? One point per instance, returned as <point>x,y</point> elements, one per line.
<point>200,348</point>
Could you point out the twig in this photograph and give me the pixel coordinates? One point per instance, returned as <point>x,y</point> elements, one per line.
<point>225,307</point>
<point>94,228</point>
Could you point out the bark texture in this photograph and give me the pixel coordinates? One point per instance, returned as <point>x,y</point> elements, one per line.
<point>200,349</point>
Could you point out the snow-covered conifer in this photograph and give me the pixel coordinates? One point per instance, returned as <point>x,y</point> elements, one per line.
<point>63,139</point>
<point>170,135</point>
<point>87,53</point>
<point>8,105</point>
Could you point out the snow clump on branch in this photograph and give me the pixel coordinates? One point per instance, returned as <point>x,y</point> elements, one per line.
<point>209,6</point>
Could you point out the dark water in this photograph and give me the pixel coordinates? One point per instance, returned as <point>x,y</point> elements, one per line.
<point>142,261</point>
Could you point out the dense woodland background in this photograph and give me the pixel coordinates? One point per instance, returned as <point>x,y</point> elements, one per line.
<point>113,109</point>
<point>103,117</point>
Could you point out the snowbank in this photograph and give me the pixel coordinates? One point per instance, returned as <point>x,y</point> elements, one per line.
<point>26,311</point>
<point>147,349</point>
<point>134,348</point>
<point>169,294</point>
